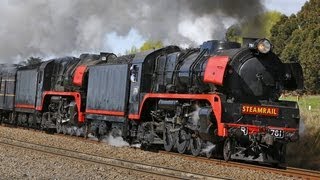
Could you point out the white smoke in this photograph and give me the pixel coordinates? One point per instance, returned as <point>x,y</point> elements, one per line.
<point>207,25</point>
<point>135,145</point>
<point>110,140</point>
<point>92,137</point>
<point>209,148</point>
<point>58,28</point>
<point>115,141</point>
<point>195,115</point>
<point>87,38</point>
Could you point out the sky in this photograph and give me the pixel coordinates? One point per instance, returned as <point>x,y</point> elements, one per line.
<point>54,28</point>
<point>133,38</point>
<point>286,7</point>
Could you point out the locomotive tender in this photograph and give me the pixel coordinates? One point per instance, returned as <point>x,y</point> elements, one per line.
<point>220,99</point>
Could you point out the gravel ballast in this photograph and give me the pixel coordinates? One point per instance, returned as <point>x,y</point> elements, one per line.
<point>21,163</point>
<point>18,163</point>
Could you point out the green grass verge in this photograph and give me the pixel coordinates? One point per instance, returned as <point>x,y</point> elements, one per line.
<point>306,152</point>
<point>305,101</point>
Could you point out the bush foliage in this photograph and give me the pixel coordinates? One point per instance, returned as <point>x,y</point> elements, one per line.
<point>297,38</point>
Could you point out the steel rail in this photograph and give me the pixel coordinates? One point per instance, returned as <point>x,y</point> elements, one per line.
<point>109,161</point>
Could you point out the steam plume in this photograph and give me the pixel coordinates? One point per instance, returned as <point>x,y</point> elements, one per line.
<point>57,27</point>
<point>115,141</point>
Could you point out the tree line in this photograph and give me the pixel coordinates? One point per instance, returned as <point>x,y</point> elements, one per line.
<point>297,38</point>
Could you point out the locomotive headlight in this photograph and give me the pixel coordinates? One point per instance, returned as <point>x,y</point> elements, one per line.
<point>264,46</point>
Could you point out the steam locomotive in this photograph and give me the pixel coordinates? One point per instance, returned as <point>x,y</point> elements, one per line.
<point>220,97</point>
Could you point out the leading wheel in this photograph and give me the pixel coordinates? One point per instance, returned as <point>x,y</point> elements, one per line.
<point>210,148</point>
<point>86,128</point>
<point>183,140</point>
<point>168,140</point>
<point>196,146</point>
<point>227,149</point>
<point>79,132</point>
<point>64,129</point>
<point>73,130</point>
<point>59,128</point>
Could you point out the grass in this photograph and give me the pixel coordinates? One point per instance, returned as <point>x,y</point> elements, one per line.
<point>306,101</point>
<point>306,152</point>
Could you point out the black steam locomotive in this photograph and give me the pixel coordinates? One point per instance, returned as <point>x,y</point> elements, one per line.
<point>220,99</point>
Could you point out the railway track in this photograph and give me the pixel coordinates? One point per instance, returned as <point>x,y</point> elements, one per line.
<point>289,171</point>
<point>159,171</point>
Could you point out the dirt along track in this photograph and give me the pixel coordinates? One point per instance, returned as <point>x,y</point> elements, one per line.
<point>119,163</point>
<point>188,166</point>
<point>289,171</point>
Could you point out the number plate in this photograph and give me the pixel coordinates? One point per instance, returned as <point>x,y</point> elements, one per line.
<point>277,133</point>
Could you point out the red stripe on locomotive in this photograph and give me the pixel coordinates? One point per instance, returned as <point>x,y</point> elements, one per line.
<point>25,106</point>
<point>105,112</point>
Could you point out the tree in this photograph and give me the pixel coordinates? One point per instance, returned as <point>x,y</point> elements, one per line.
<point>260,26</point>
<point>149,45</point>
<point>234,33</point>
<point>133,50</point>
<point>269,19</point>
<point>297,38</point>
<point>282,31</point>
<point>31,61</point>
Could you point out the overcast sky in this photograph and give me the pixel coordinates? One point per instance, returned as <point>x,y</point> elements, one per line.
<point>284,6</point>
